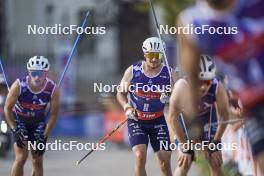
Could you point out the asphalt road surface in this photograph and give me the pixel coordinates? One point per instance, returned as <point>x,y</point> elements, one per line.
<point>114,161</point>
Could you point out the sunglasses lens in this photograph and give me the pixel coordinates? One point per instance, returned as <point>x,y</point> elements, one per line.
<point>154,55</point>
<point>37,73</point>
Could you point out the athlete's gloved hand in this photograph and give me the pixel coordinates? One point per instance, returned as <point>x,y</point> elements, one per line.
<point>40,138</point>
<point>130,112</point>
<point>20,134</point>
<point>165,97</point>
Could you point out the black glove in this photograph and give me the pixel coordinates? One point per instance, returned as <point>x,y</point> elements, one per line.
<point>20,134</point>
<point>40,139</point>
<point>213,148</point>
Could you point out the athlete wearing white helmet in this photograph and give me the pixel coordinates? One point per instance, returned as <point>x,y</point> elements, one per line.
<point>153,44</point>
<point>212,99</point>
<point>25,112</point>
<point>207,68</point>
<point>38,63</point>
<point>153,49</point>
<point>144,108</point>
<point>38,67</point>
<point>207,73</point>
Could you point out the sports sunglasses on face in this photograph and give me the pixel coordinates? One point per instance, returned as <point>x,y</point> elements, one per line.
<point>153,55</point>
<point>37,73</point>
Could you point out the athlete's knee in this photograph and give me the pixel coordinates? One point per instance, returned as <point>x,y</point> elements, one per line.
<point>216,170</point>
<point>165,165</point>
<point>215,167</point>
<point>37,161</point>
<point>181,171</point>
<point>140,156</point>
<point>21,157</point>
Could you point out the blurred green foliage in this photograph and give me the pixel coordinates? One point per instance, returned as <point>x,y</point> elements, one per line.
<point>230,168</point>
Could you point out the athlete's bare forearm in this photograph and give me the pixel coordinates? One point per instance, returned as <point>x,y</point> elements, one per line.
<point>223,109</point>
<point>9,116</point>
<point>55,107</point>
<point>124,87</point>
<point>221,127</point>
<point>174,125</point>
<point>175,109</point>
<point>11,99</point>
<point>220,131</point>
<point>122,98</point>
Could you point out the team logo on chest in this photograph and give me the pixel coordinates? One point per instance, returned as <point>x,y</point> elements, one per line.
<point>35,97</point>
<point>24,90</point>
<point>46,92</point>
<point>164,77</point>
<point>150,82</point>
<point>137,74</point>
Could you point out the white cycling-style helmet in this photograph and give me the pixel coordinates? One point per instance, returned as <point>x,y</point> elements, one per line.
<point>207,68</point>
<point>38,63</point>
<point>153,44</point>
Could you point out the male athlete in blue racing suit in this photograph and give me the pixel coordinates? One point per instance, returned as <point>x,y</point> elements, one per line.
<point>143,97</point>
<point>25,111</point>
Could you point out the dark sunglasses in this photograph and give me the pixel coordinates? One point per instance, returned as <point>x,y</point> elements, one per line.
<point>37,73</point>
